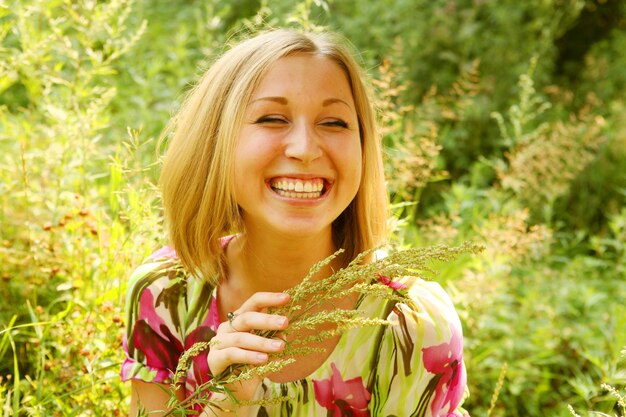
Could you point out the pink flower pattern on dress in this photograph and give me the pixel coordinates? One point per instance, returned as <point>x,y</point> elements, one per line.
<point>342,398</point>
<point>153,337</point>
<point>446,362</point>
<point>391,284</point>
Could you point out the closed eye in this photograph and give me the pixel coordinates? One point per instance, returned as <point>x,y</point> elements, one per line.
<point>270,120</point>
<point>336,123</point>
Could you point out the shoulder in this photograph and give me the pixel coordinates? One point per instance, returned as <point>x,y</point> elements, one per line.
<point>160,270</point>
<point>432,299</point>
<point>160,260</point>
<point>162,282</point>
<point>427,314</point>
<point>159,276</point>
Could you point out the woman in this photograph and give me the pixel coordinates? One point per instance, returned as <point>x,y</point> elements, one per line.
<point>274,164</point>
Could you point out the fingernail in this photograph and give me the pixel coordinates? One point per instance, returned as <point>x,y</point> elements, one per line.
<point>261,357</point>
<point>280,321</point>
<point>277,343</point>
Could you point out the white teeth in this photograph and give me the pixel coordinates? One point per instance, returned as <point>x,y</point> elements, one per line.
<point>292,194</point>
<point>298,188</point>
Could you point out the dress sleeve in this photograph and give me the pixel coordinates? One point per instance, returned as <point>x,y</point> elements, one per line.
<point>420,370</point>
<point>153,340</point>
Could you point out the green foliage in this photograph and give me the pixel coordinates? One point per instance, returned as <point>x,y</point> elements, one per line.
<point>545,157</point>
<point>155,76</point>
<point>500,126</point>
<point>72,192</point>
<point>560,336</point>
<point>442,39</point>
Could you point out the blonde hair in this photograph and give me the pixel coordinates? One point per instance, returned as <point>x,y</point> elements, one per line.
<point>196,177</point>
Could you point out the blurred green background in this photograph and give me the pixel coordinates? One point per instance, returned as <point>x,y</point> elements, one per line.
<point>504,123</point>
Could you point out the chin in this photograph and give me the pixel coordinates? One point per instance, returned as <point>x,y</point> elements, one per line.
<point>302,229</point>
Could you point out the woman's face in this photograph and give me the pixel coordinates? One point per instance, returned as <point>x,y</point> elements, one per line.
<point>298,155</point>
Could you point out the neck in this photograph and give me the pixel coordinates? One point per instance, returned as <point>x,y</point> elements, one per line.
<point>275,263</point>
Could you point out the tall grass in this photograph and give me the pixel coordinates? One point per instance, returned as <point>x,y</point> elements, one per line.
<point>73,193</point>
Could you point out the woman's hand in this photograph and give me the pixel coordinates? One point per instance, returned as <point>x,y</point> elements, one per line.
<point>235,343</point>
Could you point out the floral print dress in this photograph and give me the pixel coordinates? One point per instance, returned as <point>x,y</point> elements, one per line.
<point>413,367</point>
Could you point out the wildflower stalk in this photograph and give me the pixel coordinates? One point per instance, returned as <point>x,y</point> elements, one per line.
<point>496,391</point>
<point>306,312</point>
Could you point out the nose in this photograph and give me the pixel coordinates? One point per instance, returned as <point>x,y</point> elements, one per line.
<point>302,143</point>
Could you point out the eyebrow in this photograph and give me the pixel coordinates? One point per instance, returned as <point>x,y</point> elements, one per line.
<point>280,100</point>
<point>330,101</point>
<point>284,101</point>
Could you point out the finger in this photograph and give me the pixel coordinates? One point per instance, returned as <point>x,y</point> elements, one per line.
<point>221,359</point>
<point>252,320</point>
<point>249,341</point>
<point>262,300</point>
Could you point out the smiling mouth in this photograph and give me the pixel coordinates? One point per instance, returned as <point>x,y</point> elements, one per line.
<point>298,188</point>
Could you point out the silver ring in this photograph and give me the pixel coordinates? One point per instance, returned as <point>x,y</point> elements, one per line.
<point>231,316</point>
